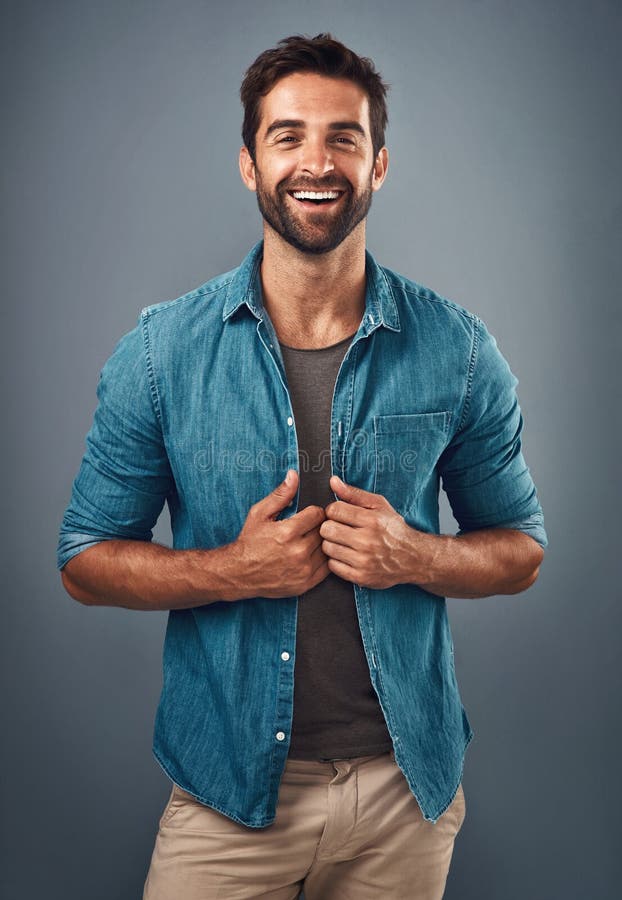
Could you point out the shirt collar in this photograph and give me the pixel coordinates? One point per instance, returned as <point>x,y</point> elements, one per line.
<point>380,305</point>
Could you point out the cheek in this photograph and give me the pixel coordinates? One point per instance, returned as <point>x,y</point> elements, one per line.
<point>271,172</point>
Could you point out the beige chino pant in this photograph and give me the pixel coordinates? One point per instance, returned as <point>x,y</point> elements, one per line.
<point>344,830</point>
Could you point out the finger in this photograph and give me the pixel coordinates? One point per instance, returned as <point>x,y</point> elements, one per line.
<point>356,496</point>
<point>320,573</point>
<point>307,519</point>
<point>343,570</point>
<point>319,567</point>
<point>312,541</point>
<point>339,552</point>
<point>280,498</point>
<point>318,558</point>
<point>340,511</point>
<point>342,534</point>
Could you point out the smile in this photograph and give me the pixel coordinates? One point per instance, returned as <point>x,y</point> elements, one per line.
<point>316,196</point>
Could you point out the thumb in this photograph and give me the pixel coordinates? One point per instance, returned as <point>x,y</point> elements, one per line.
<point>281,496</point>
<point>355,495</point>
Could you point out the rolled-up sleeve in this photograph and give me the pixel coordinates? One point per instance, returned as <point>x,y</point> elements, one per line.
<point>125,477</point>
<point>483,470</point>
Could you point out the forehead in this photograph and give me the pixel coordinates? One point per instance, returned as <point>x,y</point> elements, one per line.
<point>315,99</point>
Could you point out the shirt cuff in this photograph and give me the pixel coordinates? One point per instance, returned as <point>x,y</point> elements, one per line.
<point>532,525</point>
<point>72,543</point>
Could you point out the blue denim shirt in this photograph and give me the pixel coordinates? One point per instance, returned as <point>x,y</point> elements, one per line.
<point>194,411</point>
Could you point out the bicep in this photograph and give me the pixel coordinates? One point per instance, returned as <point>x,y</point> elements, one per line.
<point>483,469</point>
<point>124,477</point>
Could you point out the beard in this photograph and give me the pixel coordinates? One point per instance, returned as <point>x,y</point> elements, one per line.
<point>313,232</point>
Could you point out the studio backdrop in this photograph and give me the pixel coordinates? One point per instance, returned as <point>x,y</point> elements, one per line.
<point>121,189</point>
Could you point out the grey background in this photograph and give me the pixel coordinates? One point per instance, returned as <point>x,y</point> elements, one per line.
<point>121,189</point>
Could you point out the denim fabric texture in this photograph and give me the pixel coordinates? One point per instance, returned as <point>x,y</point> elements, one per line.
<point>194,412</point>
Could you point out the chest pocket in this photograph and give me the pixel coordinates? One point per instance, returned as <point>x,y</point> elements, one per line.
<point>407,449</point>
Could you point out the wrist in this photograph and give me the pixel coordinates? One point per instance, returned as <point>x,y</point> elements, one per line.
<point>217,574</point>
<point>428,558</point>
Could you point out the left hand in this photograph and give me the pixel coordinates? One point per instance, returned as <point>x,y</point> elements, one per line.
<point>366,541</point>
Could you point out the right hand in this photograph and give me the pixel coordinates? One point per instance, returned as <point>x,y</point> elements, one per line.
<point>284,557</point>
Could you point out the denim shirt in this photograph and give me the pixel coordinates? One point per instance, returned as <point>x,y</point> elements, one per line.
<point>194,411</point>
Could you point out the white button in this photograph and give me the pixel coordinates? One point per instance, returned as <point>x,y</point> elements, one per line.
<point>371,320</point>
<point>285,655</point>
<point>280,735</point>
<point>290,421</point>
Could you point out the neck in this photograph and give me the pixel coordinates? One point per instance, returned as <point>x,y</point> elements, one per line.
<point>314,300</point>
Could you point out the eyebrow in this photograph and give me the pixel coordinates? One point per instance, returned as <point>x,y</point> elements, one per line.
<point>299,123</point>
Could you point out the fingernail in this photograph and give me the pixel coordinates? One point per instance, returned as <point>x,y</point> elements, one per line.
<point>288,477</point>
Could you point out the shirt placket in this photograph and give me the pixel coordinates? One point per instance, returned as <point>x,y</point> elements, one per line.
<point>340,430</point>
<point>288,608</point>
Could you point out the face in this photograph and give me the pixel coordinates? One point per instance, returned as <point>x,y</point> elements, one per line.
<point>314,172</point>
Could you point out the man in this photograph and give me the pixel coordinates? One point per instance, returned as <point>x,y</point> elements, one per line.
<point>297,416</point>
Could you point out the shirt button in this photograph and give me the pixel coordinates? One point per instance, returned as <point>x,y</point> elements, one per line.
<point>290,421</point>
<point>285,655</point>
<point>280,735</point>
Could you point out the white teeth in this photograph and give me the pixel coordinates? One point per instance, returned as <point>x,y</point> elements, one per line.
<point>315,195</point>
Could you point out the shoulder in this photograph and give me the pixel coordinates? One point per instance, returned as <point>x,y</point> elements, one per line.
<point>426,315</point>
<point>201,298</point>
<point>425,300</point>
<point>168,328</point>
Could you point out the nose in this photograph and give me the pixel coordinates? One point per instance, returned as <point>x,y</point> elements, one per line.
<point>316,158</point>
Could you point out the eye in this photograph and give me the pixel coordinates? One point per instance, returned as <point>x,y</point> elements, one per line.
<point>344,139</point>
<point>287,139</point>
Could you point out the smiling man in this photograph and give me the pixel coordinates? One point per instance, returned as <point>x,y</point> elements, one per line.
<point>298,416</point>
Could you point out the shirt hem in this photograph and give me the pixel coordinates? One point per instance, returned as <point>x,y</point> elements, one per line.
<point>233,816</point>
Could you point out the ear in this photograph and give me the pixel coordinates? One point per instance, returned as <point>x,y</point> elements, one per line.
<point>247,169</point>
<point>380,169</point>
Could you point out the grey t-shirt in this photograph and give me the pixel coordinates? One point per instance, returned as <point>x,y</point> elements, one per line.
<point>336,710</point>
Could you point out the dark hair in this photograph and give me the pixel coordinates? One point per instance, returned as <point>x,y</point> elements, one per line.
<point>324,55</point>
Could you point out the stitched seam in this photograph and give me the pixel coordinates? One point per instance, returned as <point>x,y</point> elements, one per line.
<point>472,364</point>
<point>275,746</point>
<point>348,416</point>
<point>197,294</point>
<point>371,649</point>
<point>393,309</point>
<point>422,294</point>
<point>150,369</point>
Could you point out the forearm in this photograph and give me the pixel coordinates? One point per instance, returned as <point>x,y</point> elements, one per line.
<point>477,564</point>
<point>147,576</point>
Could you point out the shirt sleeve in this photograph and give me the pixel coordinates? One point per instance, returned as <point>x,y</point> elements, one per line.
<point>483,470</point>
<point>125,477</point>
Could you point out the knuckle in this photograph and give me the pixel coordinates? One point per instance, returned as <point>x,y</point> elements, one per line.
<point>288,528</point>
<point>300,555</point>
<point>282,537</point>
<point>321,517</point>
